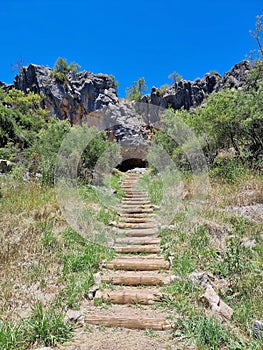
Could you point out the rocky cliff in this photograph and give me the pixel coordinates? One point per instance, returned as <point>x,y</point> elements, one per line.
<point>94,97</point>
<point>189,94</point>
<point>84,92</point>
<point>80,93</point>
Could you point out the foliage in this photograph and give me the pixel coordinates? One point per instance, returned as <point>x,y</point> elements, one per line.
<point>230,120</point>
<point>48,327</point>
<point>61,68</point>
<point>42,155</point>
<point>175,77</point>
<point>207,333</point>
<point>135,91</point>
<point>257,35</point>
<point>163,88</point>
<point>21,117</point>
<point>116,83</point>
<point>12,336</point>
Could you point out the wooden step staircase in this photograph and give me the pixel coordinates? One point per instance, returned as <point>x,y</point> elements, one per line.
<point>130,278</point>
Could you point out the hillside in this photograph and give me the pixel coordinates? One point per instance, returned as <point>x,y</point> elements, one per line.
<point>67,145</point>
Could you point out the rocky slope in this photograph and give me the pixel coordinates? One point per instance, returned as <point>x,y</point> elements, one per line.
<point>189,94</point>
<point>80,94</point>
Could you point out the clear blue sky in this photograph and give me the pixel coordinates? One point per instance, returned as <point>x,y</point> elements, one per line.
<point>129,39</point>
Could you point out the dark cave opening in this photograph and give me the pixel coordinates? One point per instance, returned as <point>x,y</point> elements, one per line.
<point>132,163</point>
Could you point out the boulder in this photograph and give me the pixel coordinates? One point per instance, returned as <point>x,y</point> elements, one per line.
<point>5,166</point>
<point>237,76</point>
<point>248,243</point>
<point>199,279</point>
<point>257,329</point>
<point>75,316</point>
<point>218,306</point>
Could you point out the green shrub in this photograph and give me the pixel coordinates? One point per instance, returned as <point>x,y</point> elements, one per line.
<point>61,68</point>
<point>135,91</point>
<point>229,170</point>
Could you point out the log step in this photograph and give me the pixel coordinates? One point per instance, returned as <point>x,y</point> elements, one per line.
<point>135,279</point>
<point>150,248</point>
<point>137,232</point>
<point>136,220</point>
<point>136,215</point>
<point>135,202</point>
<point>135,192</point>
<point>136,210</point>
<point>137,264</point>
<point>135,196</point>
<point>150,225</point>
<point>136,296</point>
<point>131,205</point>
<point>157,324</point>
<point>138,240</point>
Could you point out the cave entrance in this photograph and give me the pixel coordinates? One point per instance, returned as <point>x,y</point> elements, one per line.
<point>132,163</point>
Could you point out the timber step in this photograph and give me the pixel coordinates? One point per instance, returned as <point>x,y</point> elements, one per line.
<point>136,220</point>
<point>136,215</point>
<point>136,210</point>
<point>131,205</point>
<point>135,196</point>
<point>157,324</point>
<point>138,232</point>
<point>134,231</point>
<point>137,264</point>
<point>135,201</point>
<point>134,192</point>
<point>150,248</point>
<point>142,225</point>
<point>130,278</point>
<point>130,296</point>
<point>138,240</point>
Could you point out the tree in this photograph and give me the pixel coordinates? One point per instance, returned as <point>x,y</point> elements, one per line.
<point>176,77</point>
<point>18,66</point>
<point>61,68</point>
<point>258,35</point>
<point>135,91</point>
<point>256,74</point>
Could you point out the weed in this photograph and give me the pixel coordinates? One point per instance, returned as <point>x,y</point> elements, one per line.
<point>48,327</point>
<point>206,333</point>
<point>151,333</point>
<point>12,337</point>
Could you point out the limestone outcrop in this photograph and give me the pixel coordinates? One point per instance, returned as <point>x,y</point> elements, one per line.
<point>73,98</point>
<point>190,94</point>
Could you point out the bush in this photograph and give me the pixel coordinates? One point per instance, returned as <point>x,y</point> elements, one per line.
<point>61,68</point>
<point>135,91</point>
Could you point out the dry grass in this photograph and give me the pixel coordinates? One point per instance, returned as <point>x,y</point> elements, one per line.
<point>28,270</point>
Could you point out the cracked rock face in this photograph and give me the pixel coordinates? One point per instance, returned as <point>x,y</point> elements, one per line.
<point>190,94</point>
<point>131,126</point>
<point>80,94</point>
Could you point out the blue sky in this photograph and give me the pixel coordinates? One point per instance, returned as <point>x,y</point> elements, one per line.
<point>129,39</point>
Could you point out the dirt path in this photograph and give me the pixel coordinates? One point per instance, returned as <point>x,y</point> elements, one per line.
<point>127,300</point>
